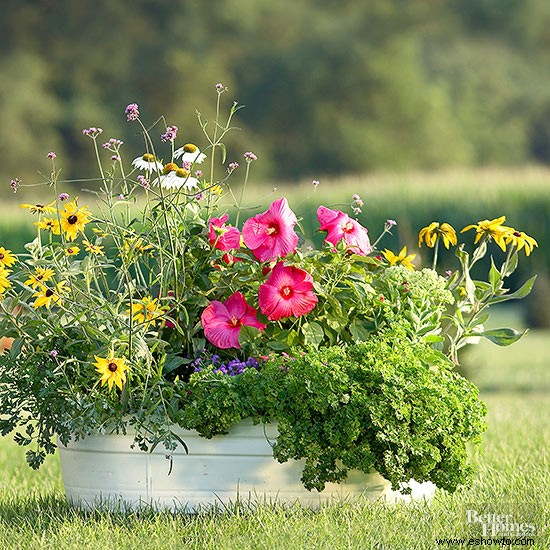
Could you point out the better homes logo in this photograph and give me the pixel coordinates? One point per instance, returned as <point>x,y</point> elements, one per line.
<point>493,524</point>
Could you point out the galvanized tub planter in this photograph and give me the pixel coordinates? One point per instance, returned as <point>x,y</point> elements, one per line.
<point>104,471</point>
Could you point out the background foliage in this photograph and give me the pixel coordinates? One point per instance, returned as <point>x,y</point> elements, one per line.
<point>330,86</point>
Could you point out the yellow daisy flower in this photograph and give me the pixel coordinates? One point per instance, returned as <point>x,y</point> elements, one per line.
<point>146,311</point>
<point>434,231</point>
<point>137,245</point>
<point>492,229</point>
<point>49,224</point>
<point>112,369</point>
<point>74,219</point>
<point>400,259</point>
<point>520,240</point>
<point>72,250</point>
<point>4,283</point>
<point>40,276</point>
<point>47,296</point>
<point>93,248</point>
<point>7,259</point>
<point>40,208</point>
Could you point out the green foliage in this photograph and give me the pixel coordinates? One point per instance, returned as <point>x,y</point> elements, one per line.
<point>385,404</point>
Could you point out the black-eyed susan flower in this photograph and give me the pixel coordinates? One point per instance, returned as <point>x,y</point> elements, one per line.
<point>72,250</point>
<point>491,229</point>
<point>40,208</point>
<point>7,259</point>
<point>400,259</point>
<point>190,153</point>
<point>40,276</point>
<point>46,296</point>
<point>435,231</point>
<point>4,282</point>
<point>73,219</point>
<point>112,370</point>
<point>92,248</point>
<point>147,162</point>
<point>146,311</point>
<point>49,224</point>
<point>520,240</point>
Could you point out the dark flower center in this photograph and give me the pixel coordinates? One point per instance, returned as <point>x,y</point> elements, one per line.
<point>517,234</point>
<point>112,367</point>
<point>273,229</point>
<point>348,227</point>
<point>72,219</point>
<point>2,256</point>
<point>49,293</point>
<point>286,292</point>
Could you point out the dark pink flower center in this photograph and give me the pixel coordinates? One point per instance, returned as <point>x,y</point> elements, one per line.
<point>273,229</point>
<point>287,292</point>
<point>234,322</point>
<point>347,227</point>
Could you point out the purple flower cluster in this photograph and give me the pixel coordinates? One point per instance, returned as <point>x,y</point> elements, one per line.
<point>170,135</point>
<point>249,156</point>
<point>132,112</point>
<point>92,132</point>
<point>231,368</point>
<point>232,167</point>
<point>113,144</point>
<point>14,184</point>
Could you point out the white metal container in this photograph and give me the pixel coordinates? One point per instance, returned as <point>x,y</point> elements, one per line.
<point>103,470</point>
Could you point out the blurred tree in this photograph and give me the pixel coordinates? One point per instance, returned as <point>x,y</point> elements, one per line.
<point>329,86</point>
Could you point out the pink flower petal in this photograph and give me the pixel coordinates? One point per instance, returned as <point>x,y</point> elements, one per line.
<point>271,235</point>
<point>288,292</point>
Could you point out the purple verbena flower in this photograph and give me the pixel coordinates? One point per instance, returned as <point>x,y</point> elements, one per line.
<point>51,155</point>
<point>315,183</point>
<point>232,167</point>
<point>63,196</point>
<point>132,112</point>
<point>142,180</point>
<point>170,135</point>
<point>249,156</point>
<point>14,184</point>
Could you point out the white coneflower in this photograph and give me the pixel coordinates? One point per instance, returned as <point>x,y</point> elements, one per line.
<point>176,177</point>
<point>147,162</point>
<point>190,153</point>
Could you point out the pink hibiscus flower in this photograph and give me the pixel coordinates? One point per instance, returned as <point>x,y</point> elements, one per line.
<point>271,235</point>
<point>287,293</point>
<point>222,236</point>
<point>340,226</point>
<point>222,322</point>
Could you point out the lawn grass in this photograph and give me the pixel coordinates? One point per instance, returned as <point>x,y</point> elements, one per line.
<point>511,478</point>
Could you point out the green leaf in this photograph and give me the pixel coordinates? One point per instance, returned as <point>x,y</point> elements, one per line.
<point>359,332</point>
<point>224,151</point>
<point>495,278</point>
<point>173,362</point>
<point>503,336</point>
<point>248,335</point>
<point>277,346</point>
<point>433,338</point>
<point>16,347</point>
<point>512,264</point>
<point>522,292</point>
<point>313,333</point>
